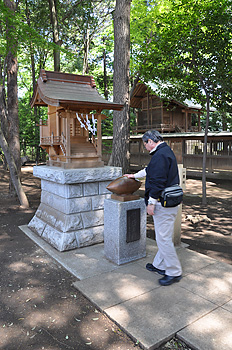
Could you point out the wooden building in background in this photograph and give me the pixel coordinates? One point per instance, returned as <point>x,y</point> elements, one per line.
<point>166,116</point>
<point>179,124</point>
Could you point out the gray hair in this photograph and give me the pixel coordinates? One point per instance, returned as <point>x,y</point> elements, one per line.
<point>153,135</point>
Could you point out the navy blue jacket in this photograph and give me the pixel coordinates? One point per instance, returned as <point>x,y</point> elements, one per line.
<point>161,172</point>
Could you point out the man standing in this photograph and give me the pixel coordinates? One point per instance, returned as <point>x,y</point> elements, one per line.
<point>161,172</point>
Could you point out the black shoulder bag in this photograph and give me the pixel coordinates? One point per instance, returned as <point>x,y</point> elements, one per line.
<point>171,196</point>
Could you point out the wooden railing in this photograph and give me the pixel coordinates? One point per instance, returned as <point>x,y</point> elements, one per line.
<point>45,140</point>
<point>94,142</point>
<point>159,127</point>
<point>55,140</point>
<point>139,157</point>
<point>64,141</point>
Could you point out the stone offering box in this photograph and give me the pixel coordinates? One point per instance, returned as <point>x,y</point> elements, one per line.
<point>72,203</point>
<point>124,230</point>
<point>124,222</point>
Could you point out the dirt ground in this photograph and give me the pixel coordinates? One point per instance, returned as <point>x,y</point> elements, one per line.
<point>213,236</point>
<point>39,307</point>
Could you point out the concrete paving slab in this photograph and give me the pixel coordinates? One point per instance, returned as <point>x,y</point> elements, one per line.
<point>151,247</point>
<point>211,332</point>
<point>118,286</point>
<point>218,270</point>
<point>132,297</point>
<point>155,316</point>
<point>228,306</point>
<point>91,261</point>
<point>213,287</point>
<point>148,259</point>
<point>192,261</point>
<point>82,263</point>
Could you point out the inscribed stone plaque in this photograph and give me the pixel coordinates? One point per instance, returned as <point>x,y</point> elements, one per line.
<point>133,225</point>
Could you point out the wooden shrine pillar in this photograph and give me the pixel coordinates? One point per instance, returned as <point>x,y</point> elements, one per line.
<point>41,129</point>
<point>186,120</point>
<point>199,121</point>
<point>57,124</point>
<point>162,112</point>
<point>148,115</point>
<point>67,126</point>
<point>99,135</point>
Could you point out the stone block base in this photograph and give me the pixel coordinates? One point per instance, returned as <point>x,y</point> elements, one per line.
<point>124,230</point>
<point>71,212</point>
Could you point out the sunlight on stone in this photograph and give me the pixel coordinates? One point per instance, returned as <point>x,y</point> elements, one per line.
<point>81,256</point>
<point>212,325</point>
<point>128,289</point>
<point>220,285</point>
<point>120,313</point>
<point>101,296</point>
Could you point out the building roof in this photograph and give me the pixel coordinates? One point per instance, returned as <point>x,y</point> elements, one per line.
<point>186,103</point>
<point>70,91</point>
<point>212,135</point>
<point>142,89</point>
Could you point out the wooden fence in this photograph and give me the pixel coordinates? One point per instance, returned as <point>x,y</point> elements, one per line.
<point>188,148</point>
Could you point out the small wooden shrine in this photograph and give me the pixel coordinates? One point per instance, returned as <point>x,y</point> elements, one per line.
<point>72,133</point>
<point>166,116</point>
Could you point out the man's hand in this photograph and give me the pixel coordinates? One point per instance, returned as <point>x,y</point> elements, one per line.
<point>130,176</point>
<point>150,209</point>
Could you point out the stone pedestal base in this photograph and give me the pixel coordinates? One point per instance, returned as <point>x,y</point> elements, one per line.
<point>124,230</point>
<point>72,201</point>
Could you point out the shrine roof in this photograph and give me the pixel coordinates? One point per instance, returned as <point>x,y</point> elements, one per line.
<point>69,91</point>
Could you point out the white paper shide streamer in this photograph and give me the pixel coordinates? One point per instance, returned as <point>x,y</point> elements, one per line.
<point>85,123</point>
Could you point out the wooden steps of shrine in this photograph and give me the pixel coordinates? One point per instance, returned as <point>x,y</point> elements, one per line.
<point>78,139</point>
<point>86,149</point>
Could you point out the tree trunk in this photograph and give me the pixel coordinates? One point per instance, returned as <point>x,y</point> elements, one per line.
<point>105,80</point>
<point>36,119</point>
<point>224,121</point>
<point>12,88</point>
<point>9,158</point>
<point>85,69</point>
<point>31,47</point>
<point>13,171</point>
<point>11,148</point>
<point>204,198</point>
<point>121,119</point>
<point>3,117</point>
<point>54,22</point>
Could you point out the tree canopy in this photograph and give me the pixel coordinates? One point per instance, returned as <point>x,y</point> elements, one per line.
<point>183,46</point>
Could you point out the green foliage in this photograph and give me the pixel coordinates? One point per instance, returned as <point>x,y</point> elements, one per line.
<point>28,135</point>
<point>192,48</point>
<point>184,46</point>
<point>218,121</point>
<point>33,33</point>
<point>107,124</point>
<point>103,44</point>
<point>142,29</point>
<point>28,124</point>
